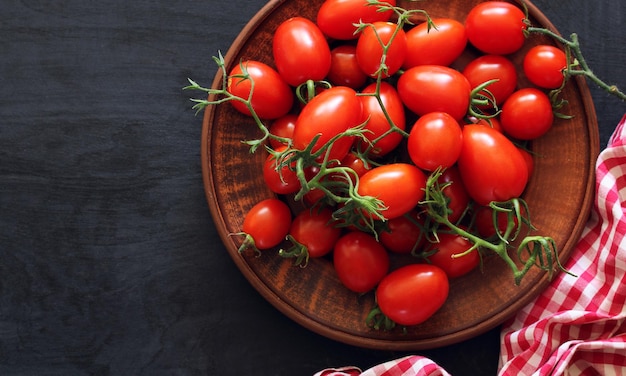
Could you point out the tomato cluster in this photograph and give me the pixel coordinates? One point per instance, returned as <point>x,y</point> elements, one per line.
<point>394,147</point>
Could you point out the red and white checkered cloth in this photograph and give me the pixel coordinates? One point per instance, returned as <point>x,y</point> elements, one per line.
<point>577,326</point>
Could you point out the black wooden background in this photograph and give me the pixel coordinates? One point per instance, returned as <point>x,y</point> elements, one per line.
<point>109,261</point>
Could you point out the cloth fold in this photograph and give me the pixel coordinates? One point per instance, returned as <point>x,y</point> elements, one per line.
<point>413,365</point>
<point>577,326</point>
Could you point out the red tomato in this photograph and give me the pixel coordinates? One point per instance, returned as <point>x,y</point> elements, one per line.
<point>440,45</point>
<point>435,88</point>
<point>360,261</point>
<point>314,229</point>
<point>403,234</point>
<point>448,246</point>
<point>484,222</point>
<point>336,18</point>
<point>458,199</point>
<point>282,127</point>
<point>435,141</point>
<point>400,186</point>
<point>489,67</point>
<point>353,161</point>
<point>329,113</point>
<point>530,161</point>
<point>300,51</point>
<point>527,114</point>
<point>377,123</point>
<point>344,69</point>
<point>282,181</point>
<point>496,27</point>
<point>493,122</point>
<point>543,66</point>
<point>267,223</point>
<point>369,50</point>
<point>315,195</point>
<point>413,293</point>
<point>272,96</point>
<point>491,166</point>
<point>335,182</point>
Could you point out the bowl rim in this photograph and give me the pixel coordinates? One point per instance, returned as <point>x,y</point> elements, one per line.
<point>374,343</point>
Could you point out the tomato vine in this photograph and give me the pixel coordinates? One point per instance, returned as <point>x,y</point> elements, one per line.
<point>576,62</point>
<point>541,250</point>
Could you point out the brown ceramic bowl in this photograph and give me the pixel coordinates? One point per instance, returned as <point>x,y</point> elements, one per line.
<point>560,194</point>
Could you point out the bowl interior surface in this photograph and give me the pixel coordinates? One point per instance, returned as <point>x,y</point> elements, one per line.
<point>560,194</point>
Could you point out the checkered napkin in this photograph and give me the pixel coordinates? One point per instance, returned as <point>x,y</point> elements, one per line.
<point>577,326</point>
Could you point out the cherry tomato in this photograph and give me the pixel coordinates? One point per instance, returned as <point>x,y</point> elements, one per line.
<point>267,223</point>
<point>282,181</point>
<point>282,127</point>
<point>530,161</point>
<point>435,141</point>
<point>351,160</point>
<point>543,66</point>
<point>496,27</point>
<point>484,222</point>
<point>435,88</point>
<point>369,50</point>
<point>377,123</point>
<point>360,261</point>
<point>300,51</point>
<point>344,69</point>
<point>400,186</point>
<point>329,114</point>
<point>446,248</point>
<point>493,122</point>
<point>403,234</point>
<point>357,164</point>
<point>458,199</point>
<point>337,18</point>
<point>491,166</point>
<point>314,229</point>
<point>527,114</point>
<point>413,293</point>
<point>272,96</point>
<point>440,45</point>
<point>315,195</point>
<point>489,67</point>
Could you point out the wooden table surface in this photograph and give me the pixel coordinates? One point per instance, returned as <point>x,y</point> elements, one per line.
<point>109,261</point>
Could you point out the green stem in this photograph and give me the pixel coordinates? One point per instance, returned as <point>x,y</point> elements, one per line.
<point>579,66</point>
<point>540,248</point>
<point>223,95</point>
<point>298,251</point>
<point>403,18</point>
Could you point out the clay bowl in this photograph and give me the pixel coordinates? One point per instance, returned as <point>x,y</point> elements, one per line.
<point>559,194</point>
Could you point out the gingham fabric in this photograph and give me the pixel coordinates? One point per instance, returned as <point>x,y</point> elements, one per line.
<point>577,326</point>
<point>411,365</point>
